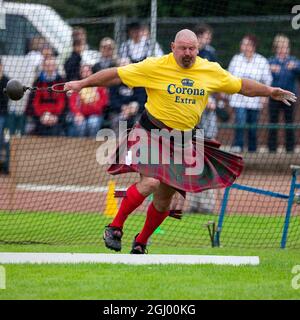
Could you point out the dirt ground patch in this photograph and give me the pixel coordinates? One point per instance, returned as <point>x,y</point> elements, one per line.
<point>66,165</point>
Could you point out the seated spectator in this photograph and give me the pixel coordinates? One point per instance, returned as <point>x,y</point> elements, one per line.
<point>205,201</point>
<point>47,107</point>
<point>126,104</point>
<point>209,117</point>
<point>138,45</point>
<point>204,34</point>
<point>34,56</point>
<point>39,49</point>
<point>3,120</point>
<point>79,54</point>
<point>108,55</point>
<point>72,64</point>
<point>146,36</point>
<point>248,64</point>
<point>285,70</point>
<point>48,51</point>
<point>87,108</point>
<point>88,56</point>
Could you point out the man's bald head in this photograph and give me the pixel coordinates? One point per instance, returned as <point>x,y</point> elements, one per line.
<point>185,48</point>
<point>185,35</point>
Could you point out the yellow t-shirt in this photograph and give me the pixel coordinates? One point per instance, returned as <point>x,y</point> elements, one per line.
<point>178,96</point>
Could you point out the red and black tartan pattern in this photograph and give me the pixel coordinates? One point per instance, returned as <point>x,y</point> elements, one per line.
<point>220,168</point>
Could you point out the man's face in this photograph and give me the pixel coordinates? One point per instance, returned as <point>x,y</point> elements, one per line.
<point>282,48</point>
<point>135,34</point>
<point>47,53</point>
<point>204,39</point>
<point>185,52</point>
<point>49,66</point>
<point>85,71</point>
<point>247,47</point>
<point>106,50</point>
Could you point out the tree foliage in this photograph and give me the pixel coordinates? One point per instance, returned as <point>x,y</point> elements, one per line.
<point>166,8</point>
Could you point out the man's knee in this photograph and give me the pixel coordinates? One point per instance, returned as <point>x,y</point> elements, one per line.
<point>148,185</point>
<point>151,184</point>
<point>162,199</point>
<point>162,204</point>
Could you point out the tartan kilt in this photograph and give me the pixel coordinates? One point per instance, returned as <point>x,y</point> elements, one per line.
<point>220,168</point>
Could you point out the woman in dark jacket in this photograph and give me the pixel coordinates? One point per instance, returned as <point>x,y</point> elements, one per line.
<point>285,70</point>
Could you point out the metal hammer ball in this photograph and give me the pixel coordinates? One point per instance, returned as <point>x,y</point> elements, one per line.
<point>14,89</point>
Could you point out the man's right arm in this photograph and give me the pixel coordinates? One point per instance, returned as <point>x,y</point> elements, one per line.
<point>102,78</point>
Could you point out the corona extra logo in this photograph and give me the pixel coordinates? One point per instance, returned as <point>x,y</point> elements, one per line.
<point>187,82</point>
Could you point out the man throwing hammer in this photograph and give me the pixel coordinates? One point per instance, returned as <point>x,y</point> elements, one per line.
<point>177,86</point>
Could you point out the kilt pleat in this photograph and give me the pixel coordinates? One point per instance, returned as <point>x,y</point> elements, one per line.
<point>220,169</point>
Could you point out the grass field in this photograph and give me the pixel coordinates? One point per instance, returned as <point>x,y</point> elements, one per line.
<point>270,280</point>
<point>81,229</point>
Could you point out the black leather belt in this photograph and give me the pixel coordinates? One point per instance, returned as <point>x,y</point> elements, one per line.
<point>148,122</point>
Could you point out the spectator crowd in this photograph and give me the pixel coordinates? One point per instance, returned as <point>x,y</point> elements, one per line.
<point>83,114</point>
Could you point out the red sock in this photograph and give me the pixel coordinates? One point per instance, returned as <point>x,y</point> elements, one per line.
<point>132,200</point>
<point>153,220</point>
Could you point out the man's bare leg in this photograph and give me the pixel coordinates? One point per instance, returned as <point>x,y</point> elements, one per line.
<point>177,202</point>
<point>147,185</point>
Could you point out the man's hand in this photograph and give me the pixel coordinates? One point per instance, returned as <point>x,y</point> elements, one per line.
<point>291,65</point>
<point>78,119</point>
<point>252,88</point>
<point>73,86</point>
<point>283,95</point>
<point>48,119</point>
<point>275,68</point>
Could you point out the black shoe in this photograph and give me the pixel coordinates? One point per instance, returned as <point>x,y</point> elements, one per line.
<point>177,214</point>
<point>112,238</point>
<point>138,248</point>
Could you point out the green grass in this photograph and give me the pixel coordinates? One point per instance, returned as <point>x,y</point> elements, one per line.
<point>57,232</point>
<point>270,280</point>
<point>81,229</point>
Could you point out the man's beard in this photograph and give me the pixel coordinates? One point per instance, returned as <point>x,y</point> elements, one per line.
<point>187,62</point>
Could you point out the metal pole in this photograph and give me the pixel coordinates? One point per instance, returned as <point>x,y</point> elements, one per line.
<point>153,26</point>
<point>221,217</point>
<point>288,210</point>
<point>119,33</point>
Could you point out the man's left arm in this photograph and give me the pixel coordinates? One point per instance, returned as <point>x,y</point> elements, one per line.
<point>251,88</point>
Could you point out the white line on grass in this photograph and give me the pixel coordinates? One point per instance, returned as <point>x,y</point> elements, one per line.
<point>39,258</point>
<point>63,188</point>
